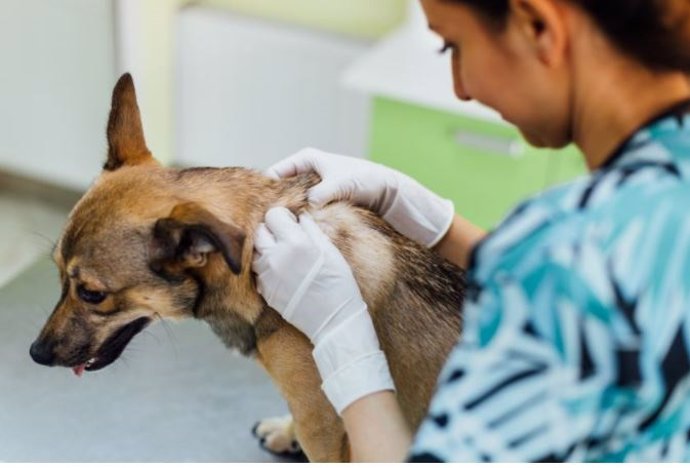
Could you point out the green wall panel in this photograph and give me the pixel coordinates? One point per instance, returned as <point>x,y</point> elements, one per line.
<point>481,178</point>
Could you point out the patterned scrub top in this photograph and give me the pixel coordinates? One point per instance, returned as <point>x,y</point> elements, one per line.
<point>577,320</point>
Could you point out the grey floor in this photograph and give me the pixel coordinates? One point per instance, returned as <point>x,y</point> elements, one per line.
<point>176,395</point>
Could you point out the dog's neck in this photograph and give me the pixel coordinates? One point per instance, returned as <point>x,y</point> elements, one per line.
<point>242,194</point>
<point>228,302</point>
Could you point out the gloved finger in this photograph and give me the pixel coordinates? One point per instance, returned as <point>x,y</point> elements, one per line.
<point>326,191</point>
<point>263,239</point>
<point>260,286</point>
<point>311,228</point>
<point>282,223</point>
<point>260,264</point>
<point>302,161</point>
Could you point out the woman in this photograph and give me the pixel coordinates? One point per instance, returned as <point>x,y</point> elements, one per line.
<point>575,345</point>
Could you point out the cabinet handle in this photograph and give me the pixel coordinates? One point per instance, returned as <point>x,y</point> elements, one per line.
<point>513,147</point>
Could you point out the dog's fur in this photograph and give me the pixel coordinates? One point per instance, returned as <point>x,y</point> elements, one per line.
<point>170,243</point>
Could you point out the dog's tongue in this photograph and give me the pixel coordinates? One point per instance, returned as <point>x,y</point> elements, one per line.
<point>79,370</point>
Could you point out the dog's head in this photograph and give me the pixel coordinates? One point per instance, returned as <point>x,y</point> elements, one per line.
<point>129,251</point>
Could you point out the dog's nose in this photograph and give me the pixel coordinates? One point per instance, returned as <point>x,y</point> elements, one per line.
<point>42,353</point>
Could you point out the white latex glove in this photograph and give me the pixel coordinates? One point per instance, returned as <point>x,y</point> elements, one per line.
<point>304,277</point>
<point>408,206</point>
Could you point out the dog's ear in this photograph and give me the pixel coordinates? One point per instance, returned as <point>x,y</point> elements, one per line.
<point>126,144</point>
<point>184,240</point>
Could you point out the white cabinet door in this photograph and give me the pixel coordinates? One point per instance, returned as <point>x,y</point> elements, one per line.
<point>56,76</point>
<point>249,91</point>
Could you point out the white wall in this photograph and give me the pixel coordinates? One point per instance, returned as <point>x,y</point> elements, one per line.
<point>56,76</point>
<point>250,91</point>
<point>247,91</point>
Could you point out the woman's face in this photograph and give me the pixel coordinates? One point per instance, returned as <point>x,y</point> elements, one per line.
<point>512,70</point>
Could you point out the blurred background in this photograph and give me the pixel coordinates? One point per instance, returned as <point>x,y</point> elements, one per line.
<point>220,83</point>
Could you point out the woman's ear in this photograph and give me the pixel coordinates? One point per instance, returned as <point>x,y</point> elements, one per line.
<point>544,27</point>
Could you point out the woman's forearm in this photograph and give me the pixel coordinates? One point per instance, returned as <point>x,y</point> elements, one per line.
<point>377,429</point>
<point>456,245</point>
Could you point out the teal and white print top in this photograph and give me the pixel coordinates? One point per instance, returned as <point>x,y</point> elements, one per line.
<point>577,320</point>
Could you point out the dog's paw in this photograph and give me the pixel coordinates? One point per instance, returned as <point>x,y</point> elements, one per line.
<point>277,435</point>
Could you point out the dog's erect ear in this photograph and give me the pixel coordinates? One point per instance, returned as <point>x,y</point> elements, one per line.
<point>126,144</point>
<point>184,240</point>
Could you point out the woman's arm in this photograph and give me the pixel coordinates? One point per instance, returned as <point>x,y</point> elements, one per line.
<point>456,245</point>
<point>376,429</point>
<point>375,424</point>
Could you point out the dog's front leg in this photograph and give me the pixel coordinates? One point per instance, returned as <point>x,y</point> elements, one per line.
<point>286,355</point>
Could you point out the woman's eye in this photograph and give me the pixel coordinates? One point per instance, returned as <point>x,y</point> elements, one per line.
<point>92,297</point>
<point>446,47</point>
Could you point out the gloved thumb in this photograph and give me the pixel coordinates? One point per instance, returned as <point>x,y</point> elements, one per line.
<point>285,168</point>
<point>302,161</point>
<point>272,173</point>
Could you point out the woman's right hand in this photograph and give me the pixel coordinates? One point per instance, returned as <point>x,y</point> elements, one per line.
<point>409,207</point>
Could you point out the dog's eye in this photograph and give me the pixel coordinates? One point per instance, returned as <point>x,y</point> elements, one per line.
<point>92,297</point>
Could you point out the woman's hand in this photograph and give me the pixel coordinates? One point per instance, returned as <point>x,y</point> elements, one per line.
<point>409,207</point>
<point>304,277</point>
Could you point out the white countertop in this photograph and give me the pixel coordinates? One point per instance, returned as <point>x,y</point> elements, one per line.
<point>406,67</point>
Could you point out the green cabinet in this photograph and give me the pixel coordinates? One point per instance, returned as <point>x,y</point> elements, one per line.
<point>484,167</point>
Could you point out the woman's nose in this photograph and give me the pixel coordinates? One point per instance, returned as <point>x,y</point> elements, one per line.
<point>460,92</point>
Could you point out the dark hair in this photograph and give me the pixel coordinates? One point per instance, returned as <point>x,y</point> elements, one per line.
<point>655,32</point>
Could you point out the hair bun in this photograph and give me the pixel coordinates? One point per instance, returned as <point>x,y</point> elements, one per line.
<point>656,32</point>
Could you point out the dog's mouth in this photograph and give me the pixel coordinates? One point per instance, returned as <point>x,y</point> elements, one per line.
<point>79,370</point>
<point>112,348</point>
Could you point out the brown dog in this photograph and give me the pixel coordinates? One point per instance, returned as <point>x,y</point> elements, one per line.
<point>148,242</point>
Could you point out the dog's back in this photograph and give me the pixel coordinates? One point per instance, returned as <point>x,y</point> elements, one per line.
<point>414,297</point>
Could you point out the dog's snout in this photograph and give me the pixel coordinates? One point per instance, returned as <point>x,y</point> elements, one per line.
<point>42,353</point>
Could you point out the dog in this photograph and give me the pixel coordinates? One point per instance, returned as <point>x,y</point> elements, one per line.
<point>148,242</point>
